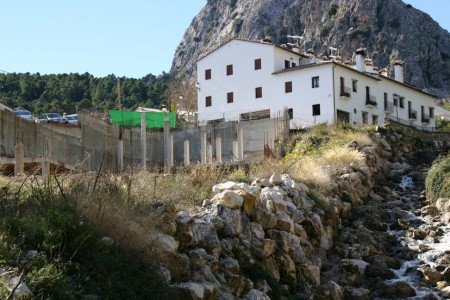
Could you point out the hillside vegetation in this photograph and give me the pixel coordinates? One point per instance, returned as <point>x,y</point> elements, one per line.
<point>438,179</point>
<point>71,92</point>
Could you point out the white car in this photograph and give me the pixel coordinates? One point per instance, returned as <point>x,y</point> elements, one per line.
<point>23,113</point>
<point>52,118</point>
<point>73,119</point>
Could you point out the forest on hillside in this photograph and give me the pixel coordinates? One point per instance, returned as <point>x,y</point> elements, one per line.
<point>68,93</point>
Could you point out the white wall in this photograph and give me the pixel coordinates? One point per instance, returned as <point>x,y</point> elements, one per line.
<point>303,96</point>
<point>244,80</point>
<point>242,83</point>
<point>379,86</point>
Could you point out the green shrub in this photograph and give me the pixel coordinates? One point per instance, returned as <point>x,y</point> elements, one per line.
<point>438,179</point>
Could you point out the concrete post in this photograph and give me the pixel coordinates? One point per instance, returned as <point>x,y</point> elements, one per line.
<point>46,164</point>
<point>120,151</point>
<point>143,141</point>
<point>19,154</point>
<point>209,152</point>
<point>166,139</point>
<point>187,159</point>
<point>219,149</point>
<point>235,150</point>
<point>171,149</point>
<point>240,144</point>
<point>203,147</point>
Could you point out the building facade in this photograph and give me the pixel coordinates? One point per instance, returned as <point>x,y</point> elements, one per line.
<point>245,80</point>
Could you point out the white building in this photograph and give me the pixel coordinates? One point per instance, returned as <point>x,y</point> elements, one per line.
<point>244,80</point>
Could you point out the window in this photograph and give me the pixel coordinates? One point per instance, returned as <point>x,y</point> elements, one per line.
<point>258,64</point>
<point>288,87</point>
<point>230,97</point>
<point>258,92</point>
<point>208,74</point>
<point>374,119</point>
<point>208,101</point>
<point>229,70</point>
<point>365,117</point>
<point>355,85</point>
<point>402,102</point>
<point>287,64</point>
<point>291,113</point>
<point>386,101</point>
<point>316,110</point>
<point>396,97</point>
<point>431,112</point>
<point>294,65</point>
<point>315,82</point>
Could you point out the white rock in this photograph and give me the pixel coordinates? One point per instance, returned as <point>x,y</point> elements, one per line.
<point>276,179</point>
<point>228,199</point>
<point>164,242</point>
<point>255,295</point>
<point>220,187</point>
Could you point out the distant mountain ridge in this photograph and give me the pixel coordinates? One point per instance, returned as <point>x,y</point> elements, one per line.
<point>389,29</point>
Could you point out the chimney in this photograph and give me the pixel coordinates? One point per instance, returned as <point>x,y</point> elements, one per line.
<point>369,65</point>
<point>296,49</point>
<point>360,59</point>
<point>398,70</point>
<point>384,72</point>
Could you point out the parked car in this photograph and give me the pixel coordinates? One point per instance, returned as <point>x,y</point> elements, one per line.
<point>52,118</point>
<point>23,113</point>
<point>73,119</point>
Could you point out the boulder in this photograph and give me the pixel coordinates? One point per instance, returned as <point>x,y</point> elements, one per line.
<point>284,222</point>
<point>398,290</point>
<point>198,257</point>
<point>430,275</point>
<point>199,234</point>
<point>228,199</point>
<point>329,291</point>
<point>249,201</point>
<point>266,219</point>
<point>230,265</point>
<point>443,204</point>
<point>446,292</point>
<point>308,276</point>
<point>276,179</point>
<point>229,185</point>
<point>195,290</point>
<point>354,293</point>
<point>255,295</point>
<point>22,290</point>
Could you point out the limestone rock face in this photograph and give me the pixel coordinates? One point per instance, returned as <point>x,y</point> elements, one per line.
<point>388,29</point>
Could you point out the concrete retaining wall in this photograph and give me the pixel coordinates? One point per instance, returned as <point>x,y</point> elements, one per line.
<point>96,142</point>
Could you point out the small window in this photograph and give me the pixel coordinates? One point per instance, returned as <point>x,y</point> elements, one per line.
<point>288,87</point>
<point>386,105</point>
<point>374,119</point>
<point>396,97</point>
<point>258,92</point>
<point>258,64</point>
<point>316,110</point>
<point>208,74</point>
<point>402,102</point>
<point>230,97</point>
<point>229,70</point>
<point>287,64</point>
<point>291,113</point>
<point>431,112</point>
<point>365,117</point>
<point>208,101</point>
<point>294,64</point>
<point>355,85</point>
<point>315,82</point>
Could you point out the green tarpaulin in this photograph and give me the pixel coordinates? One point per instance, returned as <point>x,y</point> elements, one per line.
<point>133,118</point>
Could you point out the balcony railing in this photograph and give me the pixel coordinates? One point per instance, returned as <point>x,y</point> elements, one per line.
<point>389,107</point>
<point>412,114</point>
<point>345,92</point>
<point>425,118</point>
<point>371,100</point>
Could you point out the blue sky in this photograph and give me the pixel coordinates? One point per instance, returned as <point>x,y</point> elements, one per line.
<point>127,38</point>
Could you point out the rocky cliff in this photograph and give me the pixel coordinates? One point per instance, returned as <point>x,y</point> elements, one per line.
<point>389,29</point>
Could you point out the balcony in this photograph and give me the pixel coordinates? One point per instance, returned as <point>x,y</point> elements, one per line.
<point>412,114</point>
<point>345,92</point>
<point>389,107</point>
<point>371,101</point>
<point>425,118</point>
